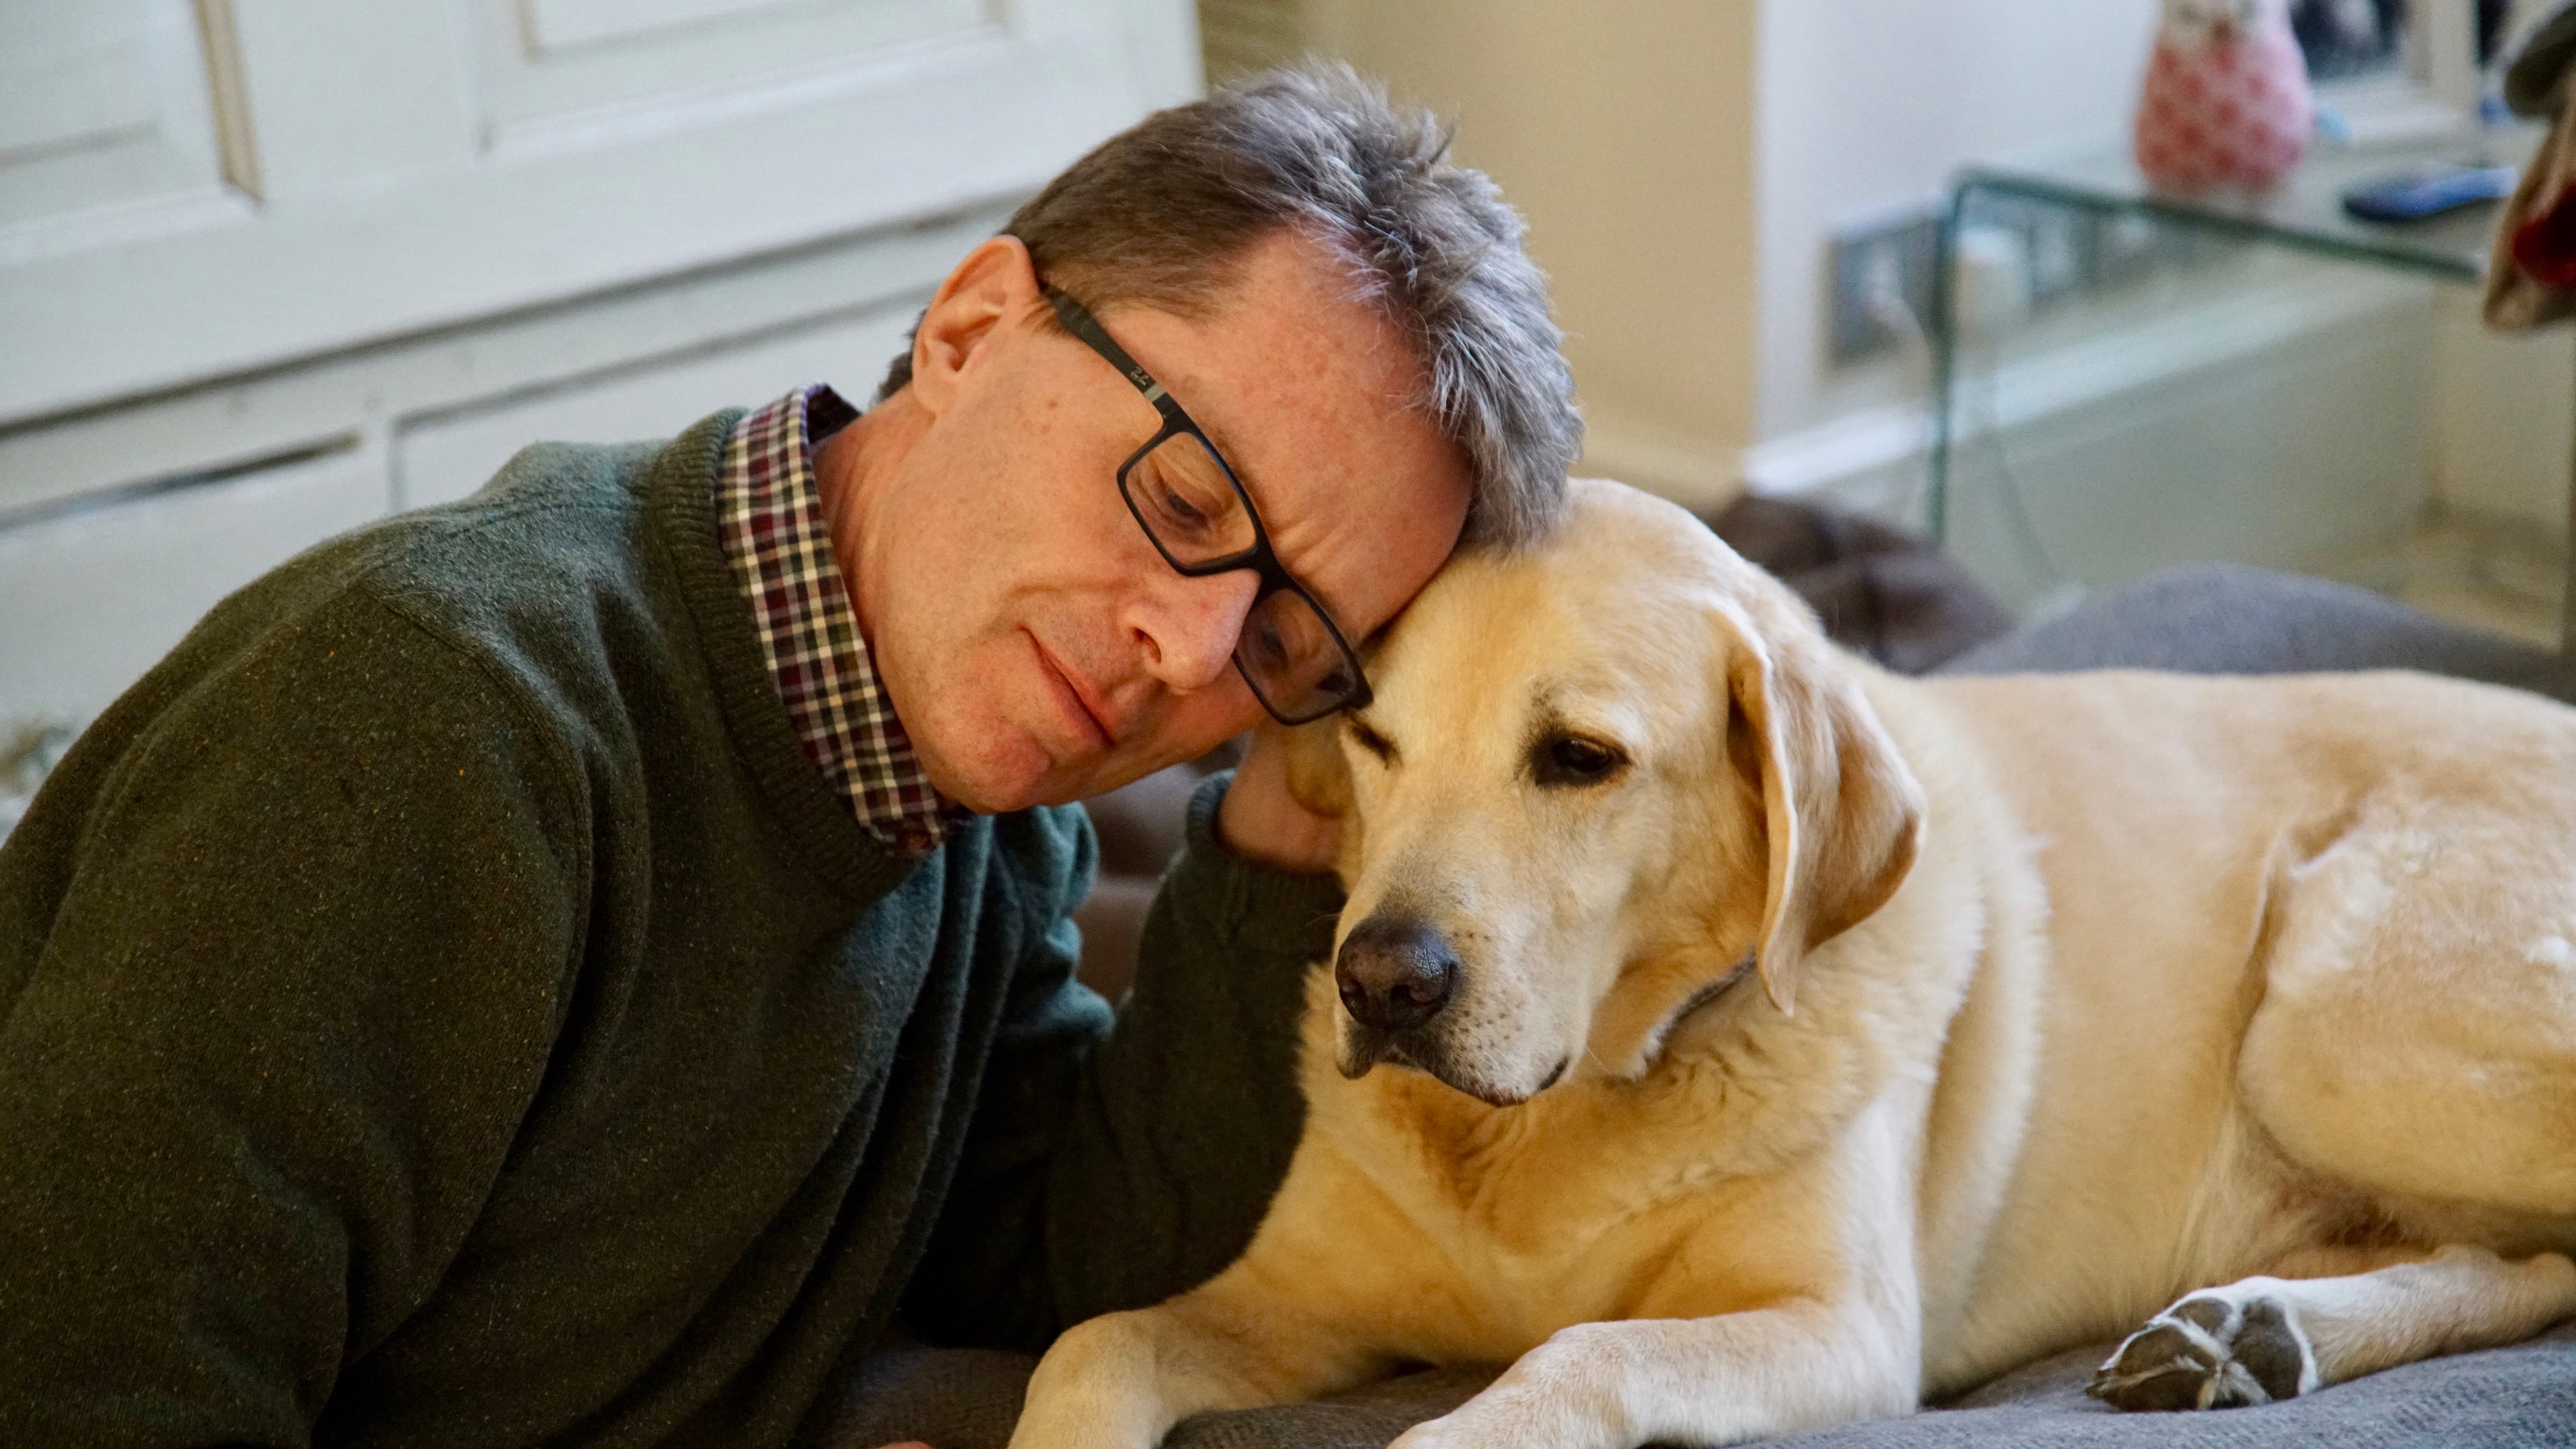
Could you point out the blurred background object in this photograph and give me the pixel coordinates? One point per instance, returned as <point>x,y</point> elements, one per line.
<point>2226,100</point>
<point>2531,279</point>
<point>2344,38</point>
<point>27,754</point>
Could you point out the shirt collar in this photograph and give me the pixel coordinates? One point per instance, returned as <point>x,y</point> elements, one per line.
<point>769,519</point>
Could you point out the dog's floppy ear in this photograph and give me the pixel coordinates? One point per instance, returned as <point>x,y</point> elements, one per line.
<point>1317,775</point>
<point>1842,815</point>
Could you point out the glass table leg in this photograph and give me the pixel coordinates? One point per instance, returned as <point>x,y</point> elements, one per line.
<point>1945,362</point>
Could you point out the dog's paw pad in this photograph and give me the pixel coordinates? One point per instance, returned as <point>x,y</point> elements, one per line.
<point>2161,1366</point>
<point>2206,1352</point>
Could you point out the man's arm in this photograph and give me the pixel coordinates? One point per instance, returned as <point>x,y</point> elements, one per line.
<point>1150,1156</point>
<point>280,967</point>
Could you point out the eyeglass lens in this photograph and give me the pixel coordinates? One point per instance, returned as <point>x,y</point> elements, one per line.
<point>1288,654</point>
<point>1194,512</point>
<point>1187,502</point>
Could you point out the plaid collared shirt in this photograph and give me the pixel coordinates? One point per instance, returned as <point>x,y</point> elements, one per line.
<point>769,519</point>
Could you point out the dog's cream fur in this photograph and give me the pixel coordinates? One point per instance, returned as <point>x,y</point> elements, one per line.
<point>2075,995</point>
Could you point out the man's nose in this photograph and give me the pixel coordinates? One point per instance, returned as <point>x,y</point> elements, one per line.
<point>1187,627</point>
<point>1394,973</point>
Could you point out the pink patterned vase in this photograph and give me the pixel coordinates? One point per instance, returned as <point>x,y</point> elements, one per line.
<point>2226,100</point>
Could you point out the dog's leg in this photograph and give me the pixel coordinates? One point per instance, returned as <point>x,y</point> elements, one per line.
<point>1122,1380</point>
<point>1747,1333</point>
<point>2270,1338</point>
<point>1702,1381</point>
<point>1298,1316</point>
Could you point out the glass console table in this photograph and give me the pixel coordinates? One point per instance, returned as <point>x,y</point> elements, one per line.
<point>2305,214</point>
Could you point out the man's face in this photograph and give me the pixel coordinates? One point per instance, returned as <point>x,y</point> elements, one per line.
<point>1036,646</point>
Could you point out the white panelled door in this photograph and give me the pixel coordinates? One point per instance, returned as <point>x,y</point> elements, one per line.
<point>191,190</point>
<point>269,268</point>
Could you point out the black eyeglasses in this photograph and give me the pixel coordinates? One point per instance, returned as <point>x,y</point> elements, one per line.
<point>1201,521</point>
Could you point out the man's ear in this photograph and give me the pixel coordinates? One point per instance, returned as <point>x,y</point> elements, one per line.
<point>996,282</point>
<point>1842,813</point>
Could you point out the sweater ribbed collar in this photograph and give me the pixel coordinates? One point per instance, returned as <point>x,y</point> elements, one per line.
<point>680,505</point>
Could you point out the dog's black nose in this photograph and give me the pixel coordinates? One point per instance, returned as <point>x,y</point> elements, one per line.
<point>1394,972</point>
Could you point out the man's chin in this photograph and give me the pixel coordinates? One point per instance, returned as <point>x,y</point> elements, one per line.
<point>990,793</point>
<point>984,781</point>
<point>1010,768</point>
<point>998,781</point>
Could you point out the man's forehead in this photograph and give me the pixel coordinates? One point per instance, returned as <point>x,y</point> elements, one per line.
<point>1316,400</point>
<point>1289,340</point>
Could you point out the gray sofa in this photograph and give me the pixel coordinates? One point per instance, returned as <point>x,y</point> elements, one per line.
<point>2203,620</point>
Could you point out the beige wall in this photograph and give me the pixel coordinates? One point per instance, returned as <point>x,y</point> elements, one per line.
<point>1625,134</point>
<point>2502,427</point>
<point>1870,104</point>
<point>1683,166</point>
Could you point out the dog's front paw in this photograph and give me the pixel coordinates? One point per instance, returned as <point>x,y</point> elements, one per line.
<point>2223,1349</point>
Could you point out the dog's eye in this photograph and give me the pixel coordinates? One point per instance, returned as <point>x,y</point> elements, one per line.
<point>1371,741</point>
<point>1573,760</point>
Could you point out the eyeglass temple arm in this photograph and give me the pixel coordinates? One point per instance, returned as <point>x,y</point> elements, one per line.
<point>1082,324</point>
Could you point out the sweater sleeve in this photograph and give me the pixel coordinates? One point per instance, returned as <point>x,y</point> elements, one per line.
<point>1152,1153</point>
<point>267,1032</point>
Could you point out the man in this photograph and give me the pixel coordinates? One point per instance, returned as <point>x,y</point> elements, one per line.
<point>569,967</point>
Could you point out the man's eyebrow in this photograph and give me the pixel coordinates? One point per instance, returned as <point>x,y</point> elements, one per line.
<point>1273,519</point>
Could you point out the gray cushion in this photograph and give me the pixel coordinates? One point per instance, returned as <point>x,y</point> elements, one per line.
<point>2223,619</point>
<point>2523,1397</point>
<point>2206,620</point>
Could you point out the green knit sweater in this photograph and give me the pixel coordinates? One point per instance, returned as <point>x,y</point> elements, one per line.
<point>442,1004</point>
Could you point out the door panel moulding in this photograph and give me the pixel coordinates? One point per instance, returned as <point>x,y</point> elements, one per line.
<point>385,384</point>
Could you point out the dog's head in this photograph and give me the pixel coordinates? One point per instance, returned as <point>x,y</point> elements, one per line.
<point>1595,779</point>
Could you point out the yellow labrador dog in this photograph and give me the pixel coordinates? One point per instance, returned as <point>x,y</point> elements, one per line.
<point>1735,1039</point>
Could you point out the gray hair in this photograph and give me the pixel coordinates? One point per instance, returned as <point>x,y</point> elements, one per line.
<point>1160,214</point>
